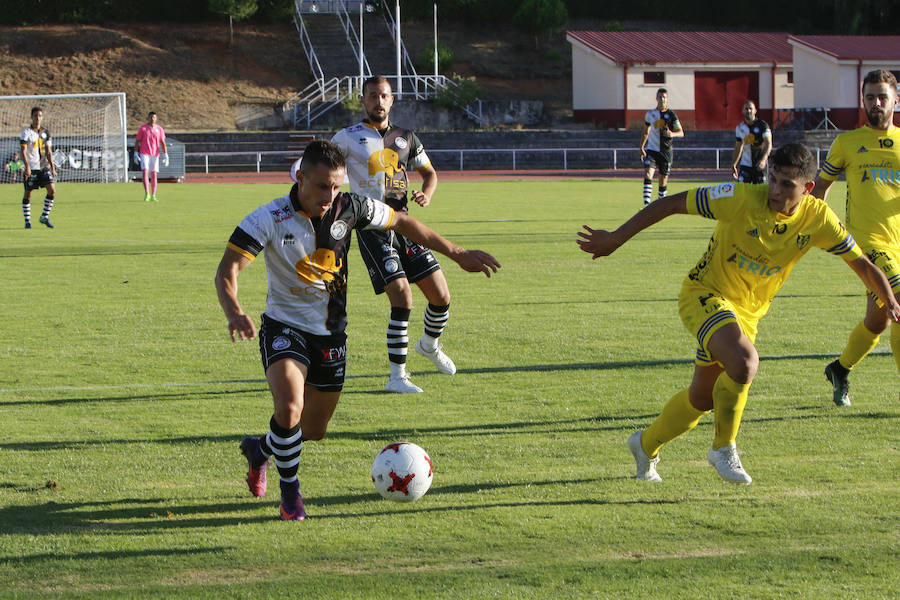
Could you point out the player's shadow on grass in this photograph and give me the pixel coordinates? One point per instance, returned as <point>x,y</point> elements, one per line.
<point>658,300</point>
<point>142,398</point>
<point>623,423</point>
<point>128,515</point>
<point>467,490</point>
<point>113,555</point>
<point>263,389</point>
<point>614,365</point>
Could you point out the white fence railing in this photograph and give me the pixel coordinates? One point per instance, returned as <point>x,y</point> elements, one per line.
<point>473,159</point>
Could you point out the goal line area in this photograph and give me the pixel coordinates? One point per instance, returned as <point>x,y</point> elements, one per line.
<point>87,133</point>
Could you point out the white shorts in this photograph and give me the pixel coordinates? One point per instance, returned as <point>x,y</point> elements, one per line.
<point>150,163</point>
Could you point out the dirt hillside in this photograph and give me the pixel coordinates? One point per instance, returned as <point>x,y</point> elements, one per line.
<point>191,76</point>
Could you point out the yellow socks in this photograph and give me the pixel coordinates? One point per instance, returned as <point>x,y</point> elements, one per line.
<point>729,399</point>
<point>895,343</point>
<point>678,417</point>
<point>860,343</point>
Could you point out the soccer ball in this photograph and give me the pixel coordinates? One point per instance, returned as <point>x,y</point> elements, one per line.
<point>402,472</point>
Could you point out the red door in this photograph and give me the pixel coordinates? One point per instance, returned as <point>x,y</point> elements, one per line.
<point>720,95</point>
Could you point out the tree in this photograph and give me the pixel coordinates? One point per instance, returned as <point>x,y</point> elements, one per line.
<point>541,16</point>
<point>236,10</point>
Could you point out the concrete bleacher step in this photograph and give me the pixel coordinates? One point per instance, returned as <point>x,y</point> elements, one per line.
<point>334,52</point>
<point>379,46</point>
<point>332,48</point>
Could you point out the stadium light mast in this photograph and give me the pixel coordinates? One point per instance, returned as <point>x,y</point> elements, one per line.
<point>397,39</point>
<point>435,45</point>
<point>361,44</point>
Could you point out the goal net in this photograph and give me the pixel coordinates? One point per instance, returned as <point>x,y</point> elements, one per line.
<point>87,133</point>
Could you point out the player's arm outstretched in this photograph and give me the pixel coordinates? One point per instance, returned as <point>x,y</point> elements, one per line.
<point>875,280</point>
<point>240,326</point>
<point>599,242</point>
<point>473,261</point>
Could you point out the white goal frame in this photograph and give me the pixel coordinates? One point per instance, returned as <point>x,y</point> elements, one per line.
<point>88,132</point>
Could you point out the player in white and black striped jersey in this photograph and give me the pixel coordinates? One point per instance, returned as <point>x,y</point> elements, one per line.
<point>752,145</point>
<point>379,154</point>
<point>305,237</point>
<point>660,125</point>
<point>40,172</point>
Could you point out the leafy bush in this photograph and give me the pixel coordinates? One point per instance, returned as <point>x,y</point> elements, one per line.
<point>552,55</point>
<point>353,103</point>
<point>463,93</point>
<point>446,58</point>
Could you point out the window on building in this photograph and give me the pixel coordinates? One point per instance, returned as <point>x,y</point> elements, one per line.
<point>654,77</point>
<point>790,77</point>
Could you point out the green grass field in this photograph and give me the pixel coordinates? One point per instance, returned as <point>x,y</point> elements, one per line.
<point>123,402</point>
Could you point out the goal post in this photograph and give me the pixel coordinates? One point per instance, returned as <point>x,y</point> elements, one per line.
<point>88,133</point>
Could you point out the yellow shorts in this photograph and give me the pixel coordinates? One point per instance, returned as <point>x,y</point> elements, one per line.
<point>704,312</point>
<point>888,260</point>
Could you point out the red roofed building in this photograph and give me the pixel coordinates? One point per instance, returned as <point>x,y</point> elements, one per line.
<point>709,75</point>
<point>829,68</point>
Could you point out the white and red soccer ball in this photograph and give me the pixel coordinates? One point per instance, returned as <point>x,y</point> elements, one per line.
<point>402,472</point>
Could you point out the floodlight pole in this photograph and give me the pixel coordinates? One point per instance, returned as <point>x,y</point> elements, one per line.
<point>361,44</point>
<point>399,70</point>
<point>435,45</point>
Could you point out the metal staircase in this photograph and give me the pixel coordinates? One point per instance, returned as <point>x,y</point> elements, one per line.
<point>341,58</point>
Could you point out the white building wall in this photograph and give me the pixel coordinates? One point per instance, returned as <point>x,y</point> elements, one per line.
<point>679,83</point>
<point>784,91</point>
<point>596,83</point>
<point>815,80</point>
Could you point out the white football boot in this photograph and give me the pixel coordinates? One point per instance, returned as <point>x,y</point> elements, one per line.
<point>646,466</point>
<point>402,385</point>
<point>440,360</point>
<point>728,464</point>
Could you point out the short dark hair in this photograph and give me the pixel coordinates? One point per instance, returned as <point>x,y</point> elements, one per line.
<point>35,109</point>
<point>879,76</point>
<point>322,152</point>
<point>796,156</point>
<point>374,80</point>
<point>662,91</point>
<point>151,113</point>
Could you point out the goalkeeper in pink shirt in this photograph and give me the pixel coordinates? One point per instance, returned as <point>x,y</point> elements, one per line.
<point>149,148</point>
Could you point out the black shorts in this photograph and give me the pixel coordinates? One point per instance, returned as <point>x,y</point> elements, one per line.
<point>389,256</point>
<point>751,175</point>
<point>658,160</point>
<point>39,179</point>
<point>324,355</point>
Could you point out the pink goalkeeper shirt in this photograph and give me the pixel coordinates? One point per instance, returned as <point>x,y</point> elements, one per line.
<point>149,138</point>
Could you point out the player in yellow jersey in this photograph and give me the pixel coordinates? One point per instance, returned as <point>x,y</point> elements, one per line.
<point>870,157</point>
<point>762,231</point>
